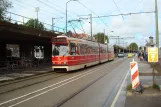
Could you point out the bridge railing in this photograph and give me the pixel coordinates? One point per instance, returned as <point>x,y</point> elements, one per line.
<point>19,19</point>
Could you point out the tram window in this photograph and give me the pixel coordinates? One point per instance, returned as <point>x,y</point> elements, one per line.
<point>81,49</point>
<point>60,50</point>
<point>72,49</point>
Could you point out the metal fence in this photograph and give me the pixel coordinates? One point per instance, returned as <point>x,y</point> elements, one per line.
<point>10,65</point>
<point>10,17</point>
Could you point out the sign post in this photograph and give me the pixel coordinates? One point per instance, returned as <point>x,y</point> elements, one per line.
<point>153,57</point>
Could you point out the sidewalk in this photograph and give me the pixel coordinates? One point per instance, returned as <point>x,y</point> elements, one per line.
<point>150,97</point>
<point>19,73</point>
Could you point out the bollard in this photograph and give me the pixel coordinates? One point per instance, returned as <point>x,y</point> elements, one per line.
<point>134,74</point>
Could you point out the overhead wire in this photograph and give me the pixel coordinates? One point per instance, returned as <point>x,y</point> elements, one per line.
<point>25,8</point>
<point>82,27</point>
<point>50,6</point>
<point>34,7</point>
<point>95,14</point>
<point>122,14</point>
<point>39,13</point>
<point>49,13</point>
<point>76,24</point>
<point>60,7</point>
<point>125,14</point>
<point>118,10</point>
<point>139,4</point>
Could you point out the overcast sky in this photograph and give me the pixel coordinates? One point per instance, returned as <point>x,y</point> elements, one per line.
<point>140,26</point>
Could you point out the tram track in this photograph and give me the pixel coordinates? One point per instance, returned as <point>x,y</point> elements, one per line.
<point>26,79</point>
<point>82,89</point>
<point>44,90</point>
<point>79,91</point>
<point>4,83</point>
<point>13,83</point>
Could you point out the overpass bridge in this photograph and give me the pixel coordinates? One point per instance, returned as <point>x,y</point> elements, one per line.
<point>26,40</point>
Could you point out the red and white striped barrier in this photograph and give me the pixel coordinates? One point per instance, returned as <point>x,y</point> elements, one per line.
<point>134,74</point>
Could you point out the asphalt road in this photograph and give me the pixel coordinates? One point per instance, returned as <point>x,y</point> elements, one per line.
<point>90,87</point>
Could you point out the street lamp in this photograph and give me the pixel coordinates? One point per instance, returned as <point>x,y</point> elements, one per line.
<point>107,35</point>
<point>66,12</point>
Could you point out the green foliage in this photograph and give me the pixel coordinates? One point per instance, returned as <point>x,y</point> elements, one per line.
<point>100,38</point>
<point>4,5</point>
<point>133,46</point>
<point>155,86</point>
<point>34,23</point>
<point>129,87</point>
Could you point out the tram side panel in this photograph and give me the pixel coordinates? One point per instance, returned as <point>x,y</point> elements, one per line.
<point>73,54</point>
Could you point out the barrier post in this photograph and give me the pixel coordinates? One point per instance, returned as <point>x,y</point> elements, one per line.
<point>134,74</point>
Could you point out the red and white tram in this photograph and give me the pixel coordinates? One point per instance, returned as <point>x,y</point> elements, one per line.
<point>72,53</point>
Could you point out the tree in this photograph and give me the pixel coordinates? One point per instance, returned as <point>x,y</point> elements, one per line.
<point>133,46</point>
<point>100,37</point>
<point>4,5</point>
<point>34,23</point>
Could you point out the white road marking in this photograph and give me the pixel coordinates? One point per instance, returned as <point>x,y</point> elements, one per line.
<point>55,84</point>
<point>118,93</point>
<point>42,88</point>
<point>49,86</point>
<point>51,89</point>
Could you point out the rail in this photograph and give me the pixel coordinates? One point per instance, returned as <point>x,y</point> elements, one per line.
<point>19,19</point>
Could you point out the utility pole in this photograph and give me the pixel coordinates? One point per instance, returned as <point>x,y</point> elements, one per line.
<point>91,24</point>
<point>156,24</point>
<point>104,36</point>
<point>52,26</point>
<point>37,10</point>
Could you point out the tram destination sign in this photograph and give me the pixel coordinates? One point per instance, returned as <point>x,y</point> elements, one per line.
<point>59,40</point>
<point>152,54</point>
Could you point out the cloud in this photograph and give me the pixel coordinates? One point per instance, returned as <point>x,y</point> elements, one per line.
<point>140,26</point>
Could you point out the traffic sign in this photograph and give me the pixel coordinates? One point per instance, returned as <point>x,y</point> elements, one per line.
<point>152,54</point>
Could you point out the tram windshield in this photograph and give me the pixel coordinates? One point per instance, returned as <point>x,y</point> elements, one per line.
<point>60,50</point>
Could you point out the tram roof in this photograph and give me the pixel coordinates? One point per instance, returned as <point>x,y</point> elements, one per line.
<point>80,40</point>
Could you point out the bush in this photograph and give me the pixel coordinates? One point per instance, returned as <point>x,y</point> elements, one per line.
<point>129,87</point>
<point>155,86</point>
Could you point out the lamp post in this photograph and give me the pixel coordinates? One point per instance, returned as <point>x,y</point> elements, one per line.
<point>107,35</point>
<point>67,11</point>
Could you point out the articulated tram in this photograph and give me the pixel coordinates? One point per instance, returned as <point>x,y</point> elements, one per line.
<point>73,53</point>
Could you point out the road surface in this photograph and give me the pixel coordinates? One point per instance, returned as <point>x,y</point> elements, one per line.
<point>91,87</point>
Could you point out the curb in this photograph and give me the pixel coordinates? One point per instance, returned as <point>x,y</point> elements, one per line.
<point>122,97</point>
<point>19,79</point>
